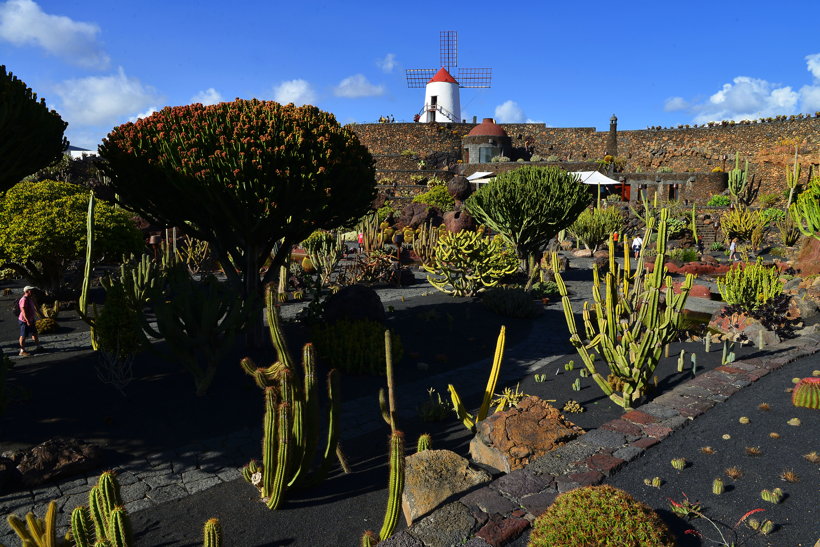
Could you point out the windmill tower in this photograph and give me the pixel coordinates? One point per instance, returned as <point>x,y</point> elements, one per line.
<point>441,95</point>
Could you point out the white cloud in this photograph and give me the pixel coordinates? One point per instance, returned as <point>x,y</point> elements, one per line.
<point>207,97</point>
<point>357,86</point>
<point>298,92</point>
<point>675,103</point>
<point>142,114</point>
<point>101,100</point>
<point>388,63</point>
<point>747,99</point>
<point>810,94</point>
<point>813,62</point>
<point>22,22</point>
<point>509,112</point>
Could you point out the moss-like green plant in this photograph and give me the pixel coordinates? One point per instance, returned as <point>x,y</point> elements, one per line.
<point>511,302</point>
<point>465,262</point>
<point>438,197</point>
<point>599,515</point>
<point>750,286</point>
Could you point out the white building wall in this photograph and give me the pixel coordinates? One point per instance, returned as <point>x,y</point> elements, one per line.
<point>448,105</point>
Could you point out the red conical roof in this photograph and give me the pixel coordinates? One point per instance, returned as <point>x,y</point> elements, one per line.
<point>487,128</point>
<point>443,76</point>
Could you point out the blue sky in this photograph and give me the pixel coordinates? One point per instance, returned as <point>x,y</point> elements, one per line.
<point>566,64</point>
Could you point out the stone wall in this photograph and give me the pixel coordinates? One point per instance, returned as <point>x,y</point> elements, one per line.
<point>769,146</point>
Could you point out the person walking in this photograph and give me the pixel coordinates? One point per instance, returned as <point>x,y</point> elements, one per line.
<point>27,319</point>
<point>733,250</point>
<point>637,243</point>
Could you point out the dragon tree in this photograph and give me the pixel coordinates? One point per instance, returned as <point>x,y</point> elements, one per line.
<point>31,135</point>
<point>250,177</point>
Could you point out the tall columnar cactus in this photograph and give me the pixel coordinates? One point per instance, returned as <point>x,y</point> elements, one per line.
<point>695,225</point>
<point>466,418</point>
<point>212,534</point>
<point>738,179</point>
<point>465,262</point>
<point>104,521</point>
<point>792,177</point>
<point>806,210</point>
<point>424,244</point>
<point>631,321</point>
<point>291,423</point>
<point>31,135</point>
<point>88,268</point>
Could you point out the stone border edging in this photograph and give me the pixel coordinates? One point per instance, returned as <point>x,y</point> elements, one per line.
<point>502,510</point>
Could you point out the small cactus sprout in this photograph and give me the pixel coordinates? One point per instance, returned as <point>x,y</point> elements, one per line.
<point>717,487</point>
<point>744,420</point>
<point>753,523</point>
<point>807,393</point>
<point>678,463</point>
<point>812,457</point>
<point>795,380</point>
<point>767,528</point>
<point>753,451</point>
<point>657,482</point>
<point>576,385</point>
<point>424,442</point>
<point>726,437</point>
<point>774,435</point>
<point>772,496</point>
<point>680,360</point>
<point>815,373</point>
<point>584,373</point>
<point>789,475</point>
<point>647,482</point>
<point>794,421</point>
<point>764,407</point>
<point>734,472</point>
<point>569,366</point>
<point>540,378</point>
<point>707,450</point>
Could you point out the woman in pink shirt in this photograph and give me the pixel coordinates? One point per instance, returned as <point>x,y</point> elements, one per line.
<point>27,320</point>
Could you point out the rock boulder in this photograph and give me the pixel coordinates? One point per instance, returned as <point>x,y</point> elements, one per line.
<point>58,458</point>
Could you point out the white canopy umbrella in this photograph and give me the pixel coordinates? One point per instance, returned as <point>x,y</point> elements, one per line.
<point>594,177</point>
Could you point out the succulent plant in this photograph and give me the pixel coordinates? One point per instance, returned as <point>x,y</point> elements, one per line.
<point>767,527</point>
<point>573,406</point>
<point>576,385</point>
<point>540,378</point>
<point>744,420</point>
<point>678,463</point>
<point>772,496</point>
<point>424,442</point>
<point>806,393</point>
<point>717,487</point>
<point>794,421</point>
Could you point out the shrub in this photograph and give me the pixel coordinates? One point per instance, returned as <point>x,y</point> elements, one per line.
<point>664,169</point>
<point>599,515</point>
<point>355,347</point>
<point>545,289</point>
<point>594,226</point>
<point>499,159</point>
<point>536,157</point>
<point>437,196</point>
<point>511,302</point>
<point>552,158</point>
<point>768,200</point>
<point>468,261</point>
<point>683,255</point>
<point>385,211</point>
<point>717,246</point>
<point>719,200</point>
<point>750,286</point>
<point>772,215</point>
<point>741,222</point>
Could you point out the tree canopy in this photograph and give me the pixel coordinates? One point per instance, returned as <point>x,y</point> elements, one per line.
<point>529,206</point>
<point>31,135</point>
<point>43,229</point>
<point>244,176</point>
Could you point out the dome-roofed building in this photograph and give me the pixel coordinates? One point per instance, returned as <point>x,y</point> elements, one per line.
<point>485,141</point>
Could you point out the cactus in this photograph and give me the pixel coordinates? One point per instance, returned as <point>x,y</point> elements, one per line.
<point>576,385</point>
<point>680,360</point>
<point>369,539</point>
<point>82,305</point>
<point>728,355</point>
<point>694,226</point>
<point>424,443</point>
<point>772,496</point>
<point>104,521</point>
<point>291,422</point>
<point>569,366</point>
<point>466,418</point>
<point>465,262</point>
<point>750,287</point>
<point>739,180</point>
<point>792,178</point>
<point>212,533</point>
<point>744,420</point>
<point>540,378</point>
<point>717,487</point>
<point>573,406</point>
<point>628,324</point>
<point>657,482</point>
<point>678,463</point>
<point>805,211</point>
<point>806,393</point>
<point>395,485</point>
<point>767,527</point>
<point>37,532</point>
<point>693,358</point>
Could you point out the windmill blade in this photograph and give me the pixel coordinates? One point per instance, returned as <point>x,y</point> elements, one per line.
<point>448,48</point>
<point>418,77</point>
<point>475,77</point>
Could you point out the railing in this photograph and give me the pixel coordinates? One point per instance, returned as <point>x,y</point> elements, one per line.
<point>440,109</point>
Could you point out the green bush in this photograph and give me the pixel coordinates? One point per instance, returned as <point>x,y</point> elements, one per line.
<point>772,215</point>
<point>599,515</point>
<point>499,159</point>
<point>355,347</point>
<point>511,302</point>
<point>437,196</point>
<point>719,200</point>
<point>594,226</point>
<point>545,289</point>
<point>717,246</point>
<point>536,157</point>
<point>683,255</point>
<point>750,286</point>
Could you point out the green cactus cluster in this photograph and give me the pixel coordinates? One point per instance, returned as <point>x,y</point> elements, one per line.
<point>465,262</point>
<point>678,463</point>
<point>634,315</point>
<point>354,346</point>
<point>805,211</point>
<point>750,286</point>
<point>39,532</point>
<point>739,180</point>
<point>594,226</point>
<point>324,249</point>
<point>573,406</point>
<point>772,496</point>
<point>599,515</point>
<point>291,421</point>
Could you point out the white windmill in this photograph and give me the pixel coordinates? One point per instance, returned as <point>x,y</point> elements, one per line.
<point>441,95</point>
